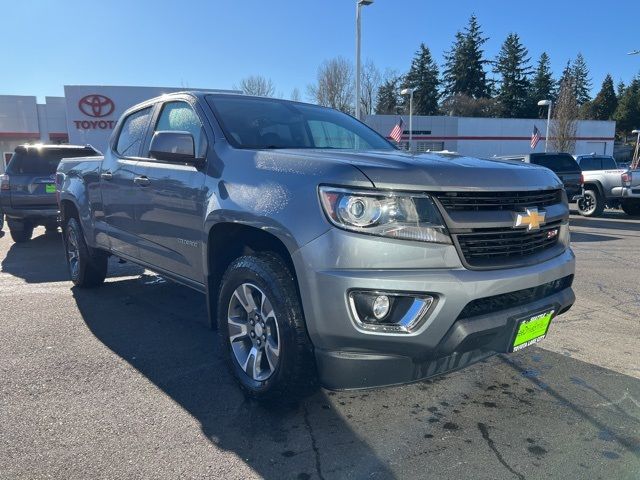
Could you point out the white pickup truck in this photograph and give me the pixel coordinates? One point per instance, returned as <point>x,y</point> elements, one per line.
<point>607,185</point>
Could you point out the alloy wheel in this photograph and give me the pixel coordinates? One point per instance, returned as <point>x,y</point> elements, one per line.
<point>73,253</point>
<point>253,332</point>
<point>587,203</point>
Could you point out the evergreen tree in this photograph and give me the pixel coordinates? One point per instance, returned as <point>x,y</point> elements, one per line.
<point>582,82</point>
<point>464,63</point>
<point>543,87</point>
<point>627,113</point>
<point>423,75</point>
<point>605,103</point>
<point>388,101</point>
<point>512,66</point>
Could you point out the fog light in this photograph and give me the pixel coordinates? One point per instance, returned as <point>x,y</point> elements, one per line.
<point>389,312</point>
<point>381,306</point>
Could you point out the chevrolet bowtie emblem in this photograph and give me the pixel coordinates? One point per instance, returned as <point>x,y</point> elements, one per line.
<point>532,219</point>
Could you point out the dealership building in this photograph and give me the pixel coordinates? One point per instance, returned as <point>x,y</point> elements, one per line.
<point>88,113</point>
<point>486,137</point>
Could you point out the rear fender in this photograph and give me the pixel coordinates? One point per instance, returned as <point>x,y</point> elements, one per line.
<point>73,190</point>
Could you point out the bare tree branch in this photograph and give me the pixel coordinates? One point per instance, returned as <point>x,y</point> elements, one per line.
<point>295,95</point>
<point>563,128</point>
<point>257,85</point>
<point>370,81</point>
<point>334,85</point>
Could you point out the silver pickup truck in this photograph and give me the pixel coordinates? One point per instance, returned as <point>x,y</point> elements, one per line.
<point>607,185</point>
<point>323,251</point>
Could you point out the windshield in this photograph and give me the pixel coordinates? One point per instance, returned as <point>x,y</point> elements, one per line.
<point>259,123</point>
<point>557,163</point>
<point>34,161</point>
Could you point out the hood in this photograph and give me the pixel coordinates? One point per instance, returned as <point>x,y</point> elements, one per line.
<point>439,171</point>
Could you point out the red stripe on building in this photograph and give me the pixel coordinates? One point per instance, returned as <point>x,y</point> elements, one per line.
<point>19,135</point>
<point>528,139</point>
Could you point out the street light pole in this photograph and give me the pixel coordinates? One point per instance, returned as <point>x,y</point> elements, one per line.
<point>359,4</point>
<point>634,160</point>
<point>409,91</point>
<point>546,103</point>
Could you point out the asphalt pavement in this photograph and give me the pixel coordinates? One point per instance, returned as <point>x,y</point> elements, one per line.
<point>127,381</point>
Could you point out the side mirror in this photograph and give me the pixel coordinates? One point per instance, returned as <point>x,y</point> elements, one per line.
<point>172,146</point>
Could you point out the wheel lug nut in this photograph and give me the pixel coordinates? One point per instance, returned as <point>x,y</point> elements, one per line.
<point>251,322</point>
<point>259,342</point>
<point>262,324</point>
<point>264,338</point>
<point>253,334</point>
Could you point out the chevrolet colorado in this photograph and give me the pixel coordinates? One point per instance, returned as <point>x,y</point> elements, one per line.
<point>323,251</point>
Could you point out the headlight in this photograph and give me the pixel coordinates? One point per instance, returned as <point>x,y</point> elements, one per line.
<point>387,214</point>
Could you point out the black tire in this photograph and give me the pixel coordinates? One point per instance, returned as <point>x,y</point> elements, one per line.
<point>51,228</point>
<point>631,207</point>
<point>591,204</point>
<point>294,375</point>
<point>20,231</point>
<point>87,269</point>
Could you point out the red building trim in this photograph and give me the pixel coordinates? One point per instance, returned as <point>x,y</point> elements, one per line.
<point>19,135</point>
<point>482,138</point>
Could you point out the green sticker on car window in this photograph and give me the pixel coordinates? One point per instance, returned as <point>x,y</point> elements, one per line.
<point>532,331</point>
<point>50,188</point>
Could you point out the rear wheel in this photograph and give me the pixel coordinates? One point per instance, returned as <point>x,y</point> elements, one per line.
<point>591,204</point>
<point>20,231</point>
<point>262,329</point>
<point>86,269</point>
<point>631,207</point>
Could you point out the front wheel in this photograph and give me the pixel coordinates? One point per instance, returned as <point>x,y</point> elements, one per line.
<point>85,269</point>
<point>591,204</point>
<point>631,207</point>
<point>262,329</point>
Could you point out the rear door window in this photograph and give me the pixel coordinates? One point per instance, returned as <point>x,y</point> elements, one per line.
<point>590,163</point>
<point>132,133</point>
<point>609,164</point>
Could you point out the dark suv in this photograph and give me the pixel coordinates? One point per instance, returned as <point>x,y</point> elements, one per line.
<point>27,189</point>
<point>563,165</point>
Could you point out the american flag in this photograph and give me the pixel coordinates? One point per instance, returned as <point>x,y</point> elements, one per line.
<point>535,137</point>
<point>396,132</point>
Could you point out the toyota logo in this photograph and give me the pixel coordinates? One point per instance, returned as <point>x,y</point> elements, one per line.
<point>96,105</point>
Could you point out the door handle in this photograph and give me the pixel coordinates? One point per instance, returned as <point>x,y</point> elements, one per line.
<point>141,180</point>
<point>106,175</point>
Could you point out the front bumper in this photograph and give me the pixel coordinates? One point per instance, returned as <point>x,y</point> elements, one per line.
<point>347,357</point>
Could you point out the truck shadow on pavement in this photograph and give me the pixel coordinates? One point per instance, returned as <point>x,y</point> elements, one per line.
<point>159,328</point>
<point>534,412</point>
<point>42,260</point>
<point>608,222</point>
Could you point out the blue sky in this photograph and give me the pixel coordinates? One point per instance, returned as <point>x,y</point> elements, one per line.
<point>215,43</point>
